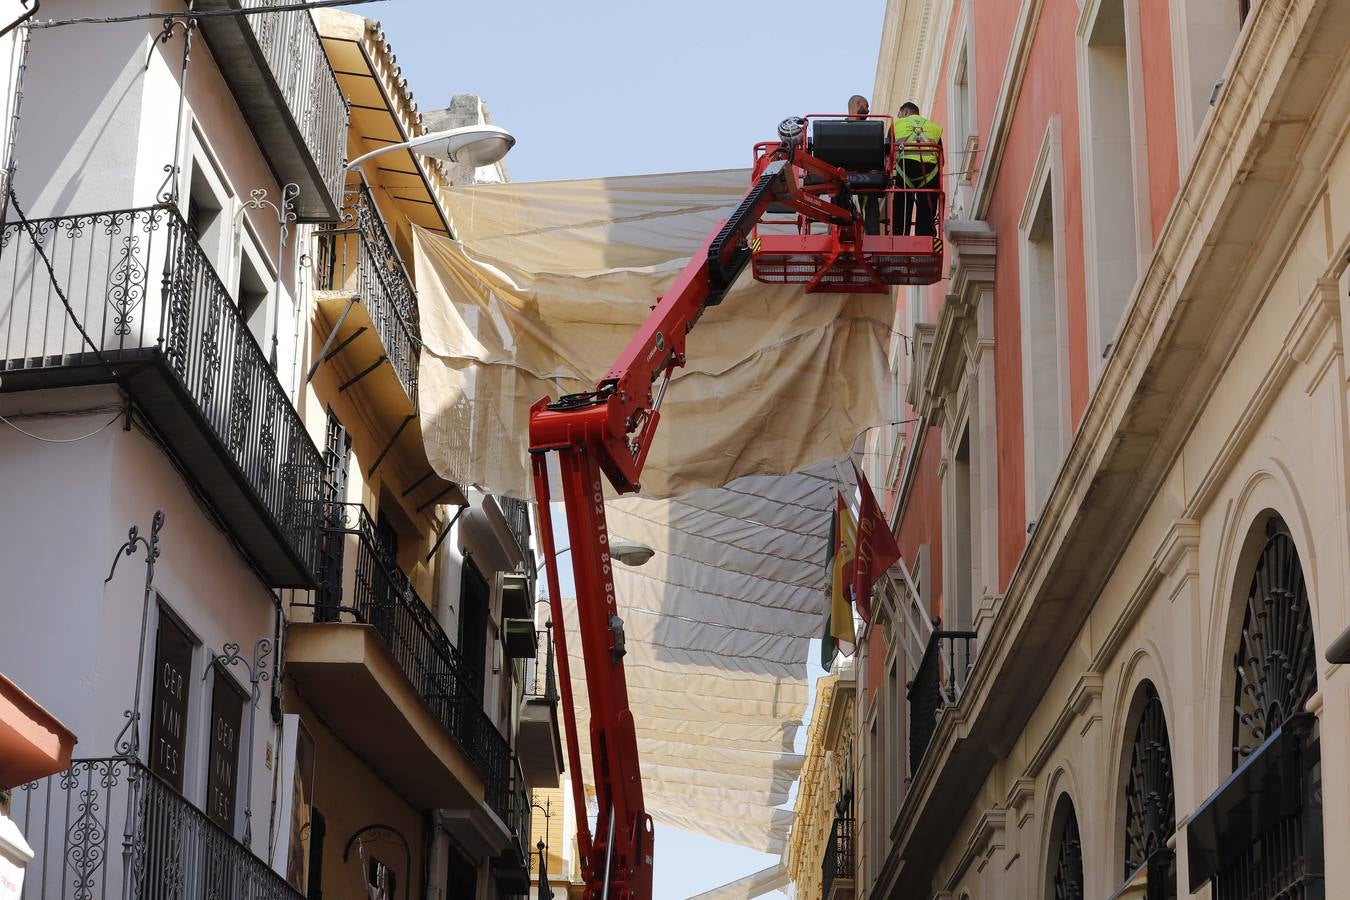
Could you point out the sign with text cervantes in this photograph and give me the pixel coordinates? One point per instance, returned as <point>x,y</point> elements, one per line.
<point>169,703</point>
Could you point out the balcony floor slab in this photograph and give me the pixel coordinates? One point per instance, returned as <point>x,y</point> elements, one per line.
<point>538,743</point>
<point>181,426</point>
<point>349,678</point>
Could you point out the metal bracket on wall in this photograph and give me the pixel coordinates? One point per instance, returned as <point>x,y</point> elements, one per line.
<point>445,532</point>
<point>127,743</point>
<point>363,373</point>
<point>390,446</point>
<point>329,351</point>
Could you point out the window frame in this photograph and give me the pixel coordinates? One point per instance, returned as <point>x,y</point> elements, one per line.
<point>1046,186</point>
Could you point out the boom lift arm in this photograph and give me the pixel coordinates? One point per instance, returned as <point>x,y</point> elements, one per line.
<point>609,430</point>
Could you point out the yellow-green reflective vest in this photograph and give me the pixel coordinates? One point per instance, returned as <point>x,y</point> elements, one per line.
<point>916,130</point>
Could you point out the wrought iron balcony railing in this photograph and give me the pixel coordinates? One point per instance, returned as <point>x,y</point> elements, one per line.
<point>937,684</point>
<point>383,597</point>
<point>111,828</point>
<point>294,52</point>
<point>513,867</point>
<point>517,515</point>
<point>95,297</point>
<point>540,682</point>
<point>838,859</point>
<point>358,256</point>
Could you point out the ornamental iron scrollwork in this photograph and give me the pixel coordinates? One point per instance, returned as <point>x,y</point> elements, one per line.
<point>257,674</point>
<point>126,284</point>
<point>127,743</point>
<point>1275,661</point>
<point>1150,804</point>
<point>1276,676</point>
<point>168,847</point>
<point>1068,884</point>
<point>86,848</point>
<point>177,288</point>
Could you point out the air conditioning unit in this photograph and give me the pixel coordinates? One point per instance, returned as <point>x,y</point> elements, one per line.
<point>518,636</point>
<point>513,591</point>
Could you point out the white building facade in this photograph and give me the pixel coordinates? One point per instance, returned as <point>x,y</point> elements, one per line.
<point>164,367</point>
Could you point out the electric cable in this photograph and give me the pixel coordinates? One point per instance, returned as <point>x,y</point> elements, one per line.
<point>47,440</point>
<point>56,285</point>
<point>203,14</point>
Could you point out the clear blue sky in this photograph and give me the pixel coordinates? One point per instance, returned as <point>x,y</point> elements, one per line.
<point>597,87</point>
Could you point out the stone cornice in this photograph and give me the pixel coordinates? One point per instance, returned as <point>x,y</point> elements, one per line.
<point>1020,795</point>
<point>974,246</point>
<point>1084,701</point>
<point>907,42</point>
<point>986,838</point>
<point>842,705</point>
<point>974,251</point>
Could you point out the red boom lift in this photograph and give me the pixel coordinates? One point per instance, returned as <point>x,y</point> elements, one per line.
<point>797,224</point>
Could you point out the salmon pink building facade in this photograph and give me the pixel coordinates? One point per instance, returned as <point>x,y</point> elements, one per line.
<point>1118,476</point>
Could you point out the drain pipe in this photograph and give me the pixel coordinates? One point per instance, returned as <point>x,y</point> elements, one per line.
<point>449,571</point>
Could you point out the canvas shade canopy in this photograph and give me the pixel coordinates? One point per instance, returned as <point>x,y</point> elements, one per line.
<point>718,626</point>
<point>545,286</point>
<point>549,281</point>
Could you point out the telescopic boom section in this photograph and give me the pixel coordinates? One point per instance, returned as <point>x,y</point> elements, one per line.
<point>609,430</point>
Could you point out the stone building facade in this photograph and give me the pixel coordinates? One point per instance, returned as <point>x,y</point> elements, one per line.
<point>1112,667</point>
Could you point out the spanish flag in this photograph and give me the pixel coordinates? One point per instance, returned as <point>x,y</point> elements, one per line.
<point>839,636</point>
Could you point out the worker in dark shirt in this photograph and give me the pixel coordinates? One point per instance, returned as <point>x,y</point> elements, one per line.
<point>868,204</point>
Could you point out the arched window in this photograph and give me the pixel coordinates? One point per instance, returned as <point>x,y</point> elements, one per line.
<point>1067,879</point>
<point>1275,663</point>
<point>1150,807</point>
<point>1259,837</point>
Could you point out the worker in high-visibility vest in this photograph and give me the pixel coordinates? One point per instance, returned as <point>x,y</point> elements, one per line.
<point>868,204</point>
<point>916,173</point>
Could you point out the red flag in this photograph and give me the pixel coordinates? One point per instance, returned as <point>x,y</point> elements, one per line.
<point>877,551</point>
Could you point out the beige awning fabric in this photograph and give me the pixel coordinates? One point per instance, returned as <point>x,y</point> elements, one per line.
<point>539,295</point>
<point>549,281</point>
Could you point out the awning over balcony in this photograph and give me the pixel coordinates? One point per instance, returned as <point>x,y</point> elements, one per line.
<point>358,54</point>
<point>550,282</point>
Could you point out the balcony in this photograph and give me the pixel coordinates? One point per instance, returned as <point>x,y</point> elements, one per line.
<point>937,685</point>
<point>538,741</point>
<point>128,297</point>
<point>837,866</point>
<point>376,665</point>
<point>279,74</point>
<point>511,868</point>
<point>367,312</point>
<point>517,515</point>
<point>111,828</point>
<point>367,297</point>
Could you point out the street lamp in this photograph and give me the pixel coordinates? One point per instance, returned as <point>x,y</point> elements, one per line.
<point>630,553</point>
<point>471,145</point>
